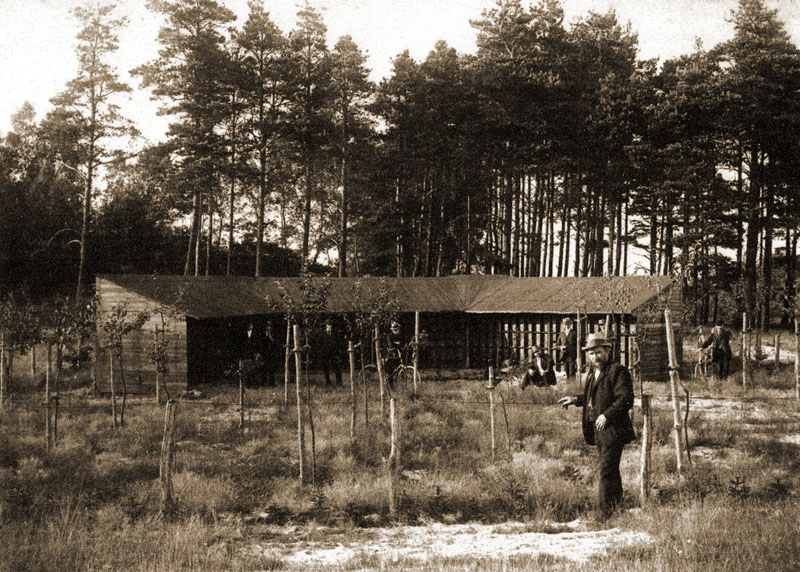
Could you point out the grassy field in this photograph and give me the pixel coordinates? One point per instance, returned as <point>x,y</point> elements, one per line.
<point>92,502</point>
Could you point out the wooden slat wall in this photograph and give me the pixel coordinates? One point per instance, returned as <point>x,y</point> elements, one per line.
<point>140,373</point>
<point>495,338</point>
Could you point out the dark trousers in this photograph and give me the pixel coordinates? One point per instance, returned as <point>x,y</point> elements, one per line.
<point>328,367</point>
<point>610,490</point>
<point>569,366</point>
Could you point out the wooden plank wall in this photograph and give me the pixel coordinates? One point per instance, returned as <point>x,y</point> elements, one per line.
<point>496,338</point>
<point>140,373</point>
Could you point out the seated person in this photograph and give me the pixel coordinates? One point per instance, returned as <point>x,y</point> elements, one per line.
<point>540,371</point>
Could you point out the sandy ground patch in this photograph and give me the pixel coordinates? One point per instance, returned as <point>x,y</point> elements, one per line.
<point>567,540</point>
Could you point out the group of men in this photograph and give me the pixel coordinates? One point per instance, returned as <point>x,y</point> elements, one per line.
<point>540,371</point>
<point>264,354</point>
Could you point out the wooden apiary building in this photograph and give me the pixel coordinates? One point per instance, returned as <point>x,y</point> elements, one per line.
<point>468,321</point>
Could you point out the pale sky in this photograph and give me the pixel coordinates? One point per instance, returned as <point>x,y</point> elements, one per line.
<point>37,37</point>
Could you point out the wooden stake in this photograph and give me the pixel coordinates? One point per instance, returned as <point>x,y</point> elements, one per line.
<point>287,362</point>
<point>416,349</point>
<point>55,419</point>
<point>2,370</point>
<point>394,458</point>
<point>797,358</point>
<point>578,352</point>
<point>47,428</point>
<point>381,373</point>
<point>241,395</point>
<point>113,388</point>
<point>158,365</point>
<point>48,372</point>
<point>167,462</point>
<point>365,387</point>
<point>673,385</point>
<point>745,350</point>
<point>491,412</point>
<point>644,472</point>
<point>351,353</point>
<point>301,433</point>
<point>777,351</point>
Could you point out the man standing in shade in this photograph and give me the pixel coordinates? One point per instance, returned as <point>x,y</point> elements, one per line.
<point>330,346</point>
<point>607,397</point>
<point>567,346</point>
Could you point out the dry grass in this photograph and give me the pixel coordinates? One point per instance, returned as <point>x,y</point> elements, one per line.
<point>92,503</point>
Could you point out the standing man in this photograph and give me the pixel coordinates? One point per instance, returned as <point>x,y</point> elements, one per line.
<point>567,342</point>
<point>252,359</point>
<point>329,353</point>
<point>721,353</point>
<point>607,397</point>
<point>269,354</point>
<point>394,351</point>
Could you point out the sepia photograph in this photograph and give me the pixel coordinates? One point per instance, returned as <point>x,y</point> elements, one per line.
<point>399,285</point>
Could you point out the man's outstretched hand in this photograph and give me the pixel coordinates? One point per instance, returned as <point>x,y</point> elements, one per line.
<point>565,402</point>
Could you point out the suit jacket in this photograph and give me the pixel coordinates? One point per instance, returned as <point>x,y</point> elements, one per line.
<point>613,397</point>
<point>720,344</point>
<point>568,345</point>
<point>537,379</point>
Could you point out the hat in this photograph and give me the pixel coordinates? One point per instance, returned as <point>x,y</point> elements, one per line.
<point>566,320</point>
<point>597,340</point>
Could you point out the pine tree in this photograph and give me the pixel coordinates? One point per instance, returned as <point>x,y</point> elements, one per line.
<point>87,104</point>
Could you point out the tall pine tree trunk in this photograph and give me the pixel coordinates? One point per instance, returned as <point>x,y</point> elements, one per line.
<point>343,214</point>
<point>192,229</point>
<point>260,207</point>
<point>578,222</point>
<point>210,237</point>
<point>753,235</point>
<point>766,260</point>
<point>199,235</point>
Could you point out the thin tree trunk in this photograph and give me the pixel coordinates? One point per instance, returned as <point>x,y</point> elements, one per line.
<point>210,231</point>
<point>3,389</point>
<point>195,209</point>
<point>612,229</point>
<point>517,225</point>
<point>398,239</point>
<point>578,221</point>
<point>232,197</point>
<point>260,205</point>
<point>307,209</point>
<point>551,224</point>
<point>588,247</point>
<point>620,240</point>
<point>766,260</point>
<point>562,233</point>
<point>343,225</point>
<point>199,237</point>
<point>468,242</point>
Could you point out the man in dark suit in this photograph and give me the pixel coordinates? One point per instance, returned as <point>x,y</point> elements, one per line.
<point>567,346</point>
<point>607,397</point>
<point>250,355</point>
<point>329,349</point>
<point>269,355</point>
<point>721,354</point>
<point>540,371</point>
